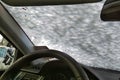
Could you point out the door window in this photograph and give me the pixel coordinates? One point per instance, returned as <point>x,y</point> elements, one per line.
<point>7,53</point>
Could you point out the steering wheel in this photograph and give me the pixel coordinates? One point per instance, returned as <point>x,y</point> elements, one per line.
<point>77,70</point>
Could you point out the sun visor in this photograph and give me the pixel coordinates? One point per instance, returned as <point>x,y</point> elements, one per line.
<point>111,11</point>
<point>45,2</point>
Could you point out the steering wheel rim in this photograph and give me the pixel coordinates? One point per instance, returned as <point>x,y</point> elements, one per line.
<point>77,70</point>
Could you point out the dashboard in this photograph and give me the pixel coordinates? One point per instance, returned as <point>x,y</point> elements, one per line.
<point>52,70</point>
<point>58,70</point>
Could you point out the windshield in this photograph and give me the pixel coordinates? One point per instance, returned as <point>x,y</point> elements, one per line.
<point>74,29</point>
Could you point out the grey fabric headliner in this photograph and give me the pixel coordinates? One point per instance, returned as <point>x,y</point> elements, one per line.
<point>74,29</point>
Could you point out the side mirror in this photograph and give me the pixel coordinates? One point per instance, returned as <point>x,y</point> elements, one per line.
<point>111,11</point>
<point>45,2</point>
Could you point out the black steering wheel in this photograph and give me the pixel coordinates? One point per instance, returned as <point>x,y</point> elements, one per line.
<point>77,70</point>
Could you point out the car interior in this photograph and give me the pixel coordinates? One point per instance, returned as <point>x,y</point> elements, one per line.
<point>23,60</point>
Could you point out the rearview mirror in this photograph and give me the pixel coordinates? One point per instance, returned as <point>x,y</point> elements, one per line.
<point>45,2</point>
<point>111,11</point>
